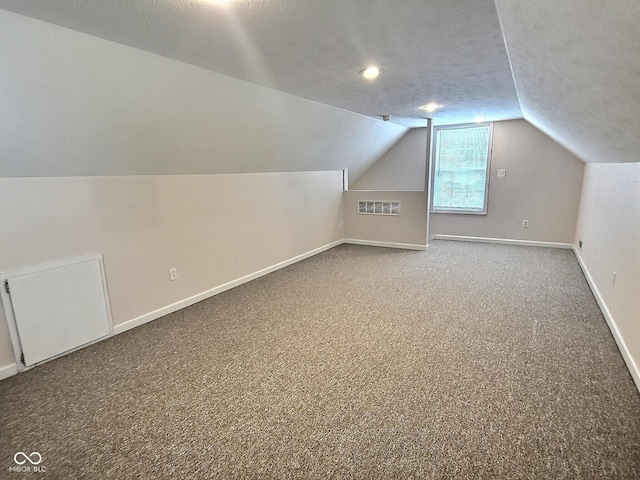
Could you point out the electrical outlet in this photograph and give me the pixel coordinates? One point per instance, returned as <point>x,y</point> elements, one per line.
<point>173,274</point>
<point>525,223</point>
<point>502,172</point>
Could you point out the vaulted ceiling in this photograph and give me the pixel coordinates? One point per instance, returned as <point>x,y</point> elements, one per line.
<point>571,68</point>
<point>576,66</point>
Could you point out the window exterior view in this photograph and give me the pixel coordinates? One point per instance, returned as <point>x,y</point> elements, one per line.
<point>461,164</point>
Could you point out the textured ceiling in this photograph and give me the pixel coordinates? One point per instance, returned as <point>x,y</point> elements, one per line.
<point>575,63</point>
<point>448,51</point>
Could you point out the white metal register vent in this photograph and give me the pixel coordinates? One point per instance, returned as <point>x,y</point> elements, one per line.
<point>367,207</point>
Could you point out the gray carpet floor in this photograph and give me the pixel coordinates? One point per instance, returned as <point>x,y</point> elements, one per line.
<point>465,361</point>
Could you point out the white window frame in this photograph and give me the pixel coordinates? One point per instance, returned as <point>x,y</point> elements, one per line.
<point>434,169</point>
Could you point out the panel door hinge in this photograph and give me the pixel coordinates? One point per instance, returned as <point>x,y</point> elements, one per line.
<point>6,286</point>
<point>22,359</point>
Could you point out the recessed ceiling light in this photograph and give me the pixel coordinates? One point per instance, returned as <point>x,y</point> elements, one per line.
<point>220,3</point>
<point>370,72</point>
<point>431,107</point>
<point>479,119</point>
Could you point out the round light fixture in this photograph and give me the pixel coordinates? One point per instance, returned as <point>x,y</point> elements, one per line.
<point>370,72</point>
<point>431,107</point>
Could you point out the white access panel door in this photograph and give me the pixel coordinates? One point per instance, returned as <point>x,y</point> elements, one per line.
<point>59,309</point>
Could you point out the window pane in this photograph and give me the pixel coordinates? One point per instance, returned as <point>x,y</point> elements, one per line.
<point>460,170</point>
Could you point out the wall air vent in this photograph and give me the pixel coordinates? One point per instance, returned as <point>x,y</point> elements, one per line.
<point>368,207</point>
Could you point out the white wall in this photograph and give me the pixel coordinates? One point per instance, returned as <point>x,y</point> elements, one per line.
<point>399,175</point>
<point>609,227</point>
<point>73,104</point>
<point>409,229</point>
<point>98,145</point>
<point>401,168</point>
<point>213,228</point>
<point>542,184</point>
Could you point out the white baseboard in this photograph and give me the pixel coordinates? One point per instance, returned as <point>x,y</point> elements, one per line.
<point>12,369</point>
<point>622,346</point>
<point>374,243</point>
<point>505,241</point>
<point>174,307</point>
<point>8,371</point>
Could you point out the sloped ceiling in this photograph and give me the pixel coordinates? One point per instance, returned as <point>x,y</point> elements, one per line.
<point>576,65</point>
<point>575,62</point>
<point>448,51</point>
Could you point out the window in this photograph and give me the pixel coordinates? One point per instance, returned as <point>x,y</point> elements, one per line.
<point>461,168</point>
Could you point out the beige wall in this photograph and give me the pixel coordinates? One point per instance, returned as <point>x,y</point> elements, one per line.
<point>408,229</point>
<point>213,228</point>
<point>73,104</point>
<point>401,168</point>
<point>97,142</point>
<point>399,175</point>
<point>609,227</point>
<point>542,184</point>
